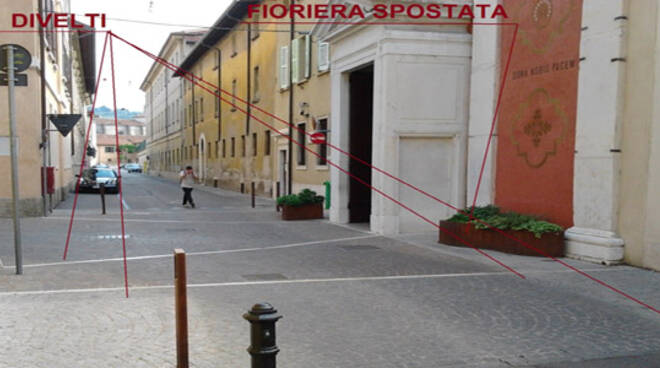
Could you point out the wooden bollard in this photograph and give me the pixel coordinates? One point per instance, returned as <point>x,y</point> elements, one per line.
<point>181,308</point>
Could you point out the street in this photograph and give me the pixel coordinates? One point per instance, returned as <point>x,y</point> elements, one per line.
<point>349,298</point>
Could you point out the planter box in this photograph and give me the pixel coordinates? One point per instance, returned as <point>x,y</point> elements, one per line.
<point>304,212</point>
<point>549,243</point>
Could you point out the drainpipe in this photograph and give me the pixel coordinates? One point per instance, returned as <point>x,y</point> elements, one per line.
<point>44,126</point>
<point>249,79</point>
<point>290,163</point>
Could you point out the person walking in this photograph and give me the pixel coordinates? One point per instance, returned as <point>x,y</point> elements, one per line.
<point>187,179</point>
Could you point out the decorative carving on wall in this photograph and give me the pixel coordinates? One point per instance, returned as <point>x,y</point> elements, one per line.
<point>548,17</point>
<point>538,127</point>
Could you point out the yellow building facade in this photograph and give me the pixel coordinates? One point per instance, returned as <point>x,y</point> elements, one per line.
<point>61,79</point>
<point>240,137</point>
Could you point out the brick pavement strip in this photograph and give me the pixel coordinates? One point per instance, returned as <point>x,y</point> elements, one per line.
<point>339,310</point>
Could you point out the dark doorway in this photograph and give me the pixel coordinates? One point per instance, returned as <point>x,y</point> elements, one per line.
<point>361,93</point>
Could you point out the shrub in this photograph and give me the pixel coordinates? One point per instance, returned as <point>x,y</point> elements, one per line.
<point>490,217</point>
<point>306,196</point>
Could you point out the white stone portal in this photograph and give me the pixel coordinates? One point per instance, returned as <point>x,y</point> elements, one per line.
<point>420,113</point>
<point>597,137</point>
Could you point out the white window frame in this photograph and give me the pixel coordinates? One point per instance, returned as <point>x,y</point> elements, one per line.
<point>284,67</point>
<point>323,55</point>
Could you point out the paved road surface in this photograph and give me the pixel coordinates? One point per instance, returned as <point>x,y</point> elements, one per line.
<point>349,298</point>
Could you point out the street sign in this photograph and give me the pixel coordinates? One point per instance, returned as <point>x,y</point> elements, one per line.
<point>22,58</point>
<point>20,80</point>
<point>64,122</point>
<point>317,137</point>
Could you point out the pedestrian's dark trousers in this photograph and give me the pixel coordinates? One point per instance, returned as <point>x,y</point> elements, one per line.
<point>187,195</point>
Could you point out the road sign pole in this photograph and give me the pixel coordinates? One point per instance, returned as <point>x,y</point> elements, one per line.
<point>13,144</point>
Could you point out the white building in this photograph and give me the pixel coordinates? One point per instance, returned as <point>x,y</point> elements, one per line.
<point>576,139</point>
<point>164,108</point>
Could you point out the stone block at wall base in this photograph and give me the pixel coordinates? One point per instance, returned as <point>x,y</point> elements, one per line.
<point>594,245</point>
<point>29,207</point>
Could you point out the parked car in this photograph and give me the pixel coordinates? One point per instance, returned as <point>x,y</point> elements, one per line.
<point>131,168</point>
<point>93,178</point>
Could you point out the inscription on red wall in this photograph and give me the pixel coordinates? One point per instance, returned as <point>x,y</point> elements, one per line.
<point>536,126</point>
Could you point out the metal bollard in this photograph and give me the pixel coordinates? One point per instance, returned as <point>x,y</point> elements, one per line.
<point>263,347</point>
<point>277,195</point>
<point>102,192</point>
<point>252,189</point>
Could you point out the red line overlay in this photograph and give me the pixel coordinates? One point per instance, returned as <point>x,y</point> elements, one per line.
<point>492,125</point>
<point>191,77</point>
<point>194,79</point>
<point>119,181</point>
<point>82,163</point>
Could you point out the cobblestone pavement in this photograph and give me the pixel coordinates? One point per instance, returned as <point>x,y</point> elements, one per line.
<point>349,298</point>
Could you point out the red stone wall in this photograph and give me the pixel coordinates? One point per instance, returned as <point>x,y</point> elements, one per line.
<point>536,124</point>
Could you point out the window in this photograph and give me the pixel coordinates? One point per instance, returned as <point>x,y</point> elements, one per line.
<point>217,103</point>
<point>216,149</point>
<point>208,150</point>
<point>284,67</point>
<point>301,146</point>
<point>255,26</point>
<point>233,45</point>
<point>51,36</point>
<point>295,63</point>
<point>254,144</point>
<point>233,147</point>
<point>255,85</point>
<point>233,95</point>
<point>322,159</point>
<point>323,56</point>
<point>201,109</point>
<point>185,117</point>
<point>307,62</point>
<point>242,146</point>
<point>99,129</point>
<point>224,149</point>
<point>300,58</point>
<point>109,149</point>
<point>196,111</point>
<point>267,143</point>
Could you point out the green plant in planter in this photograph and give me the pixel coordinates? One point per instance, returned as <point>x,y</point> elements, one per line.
<point>305,196</point>
<point>490,217</point>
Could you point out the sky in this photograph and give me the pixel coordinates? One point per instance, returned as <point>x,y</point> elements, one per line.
<point>131,66</point>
